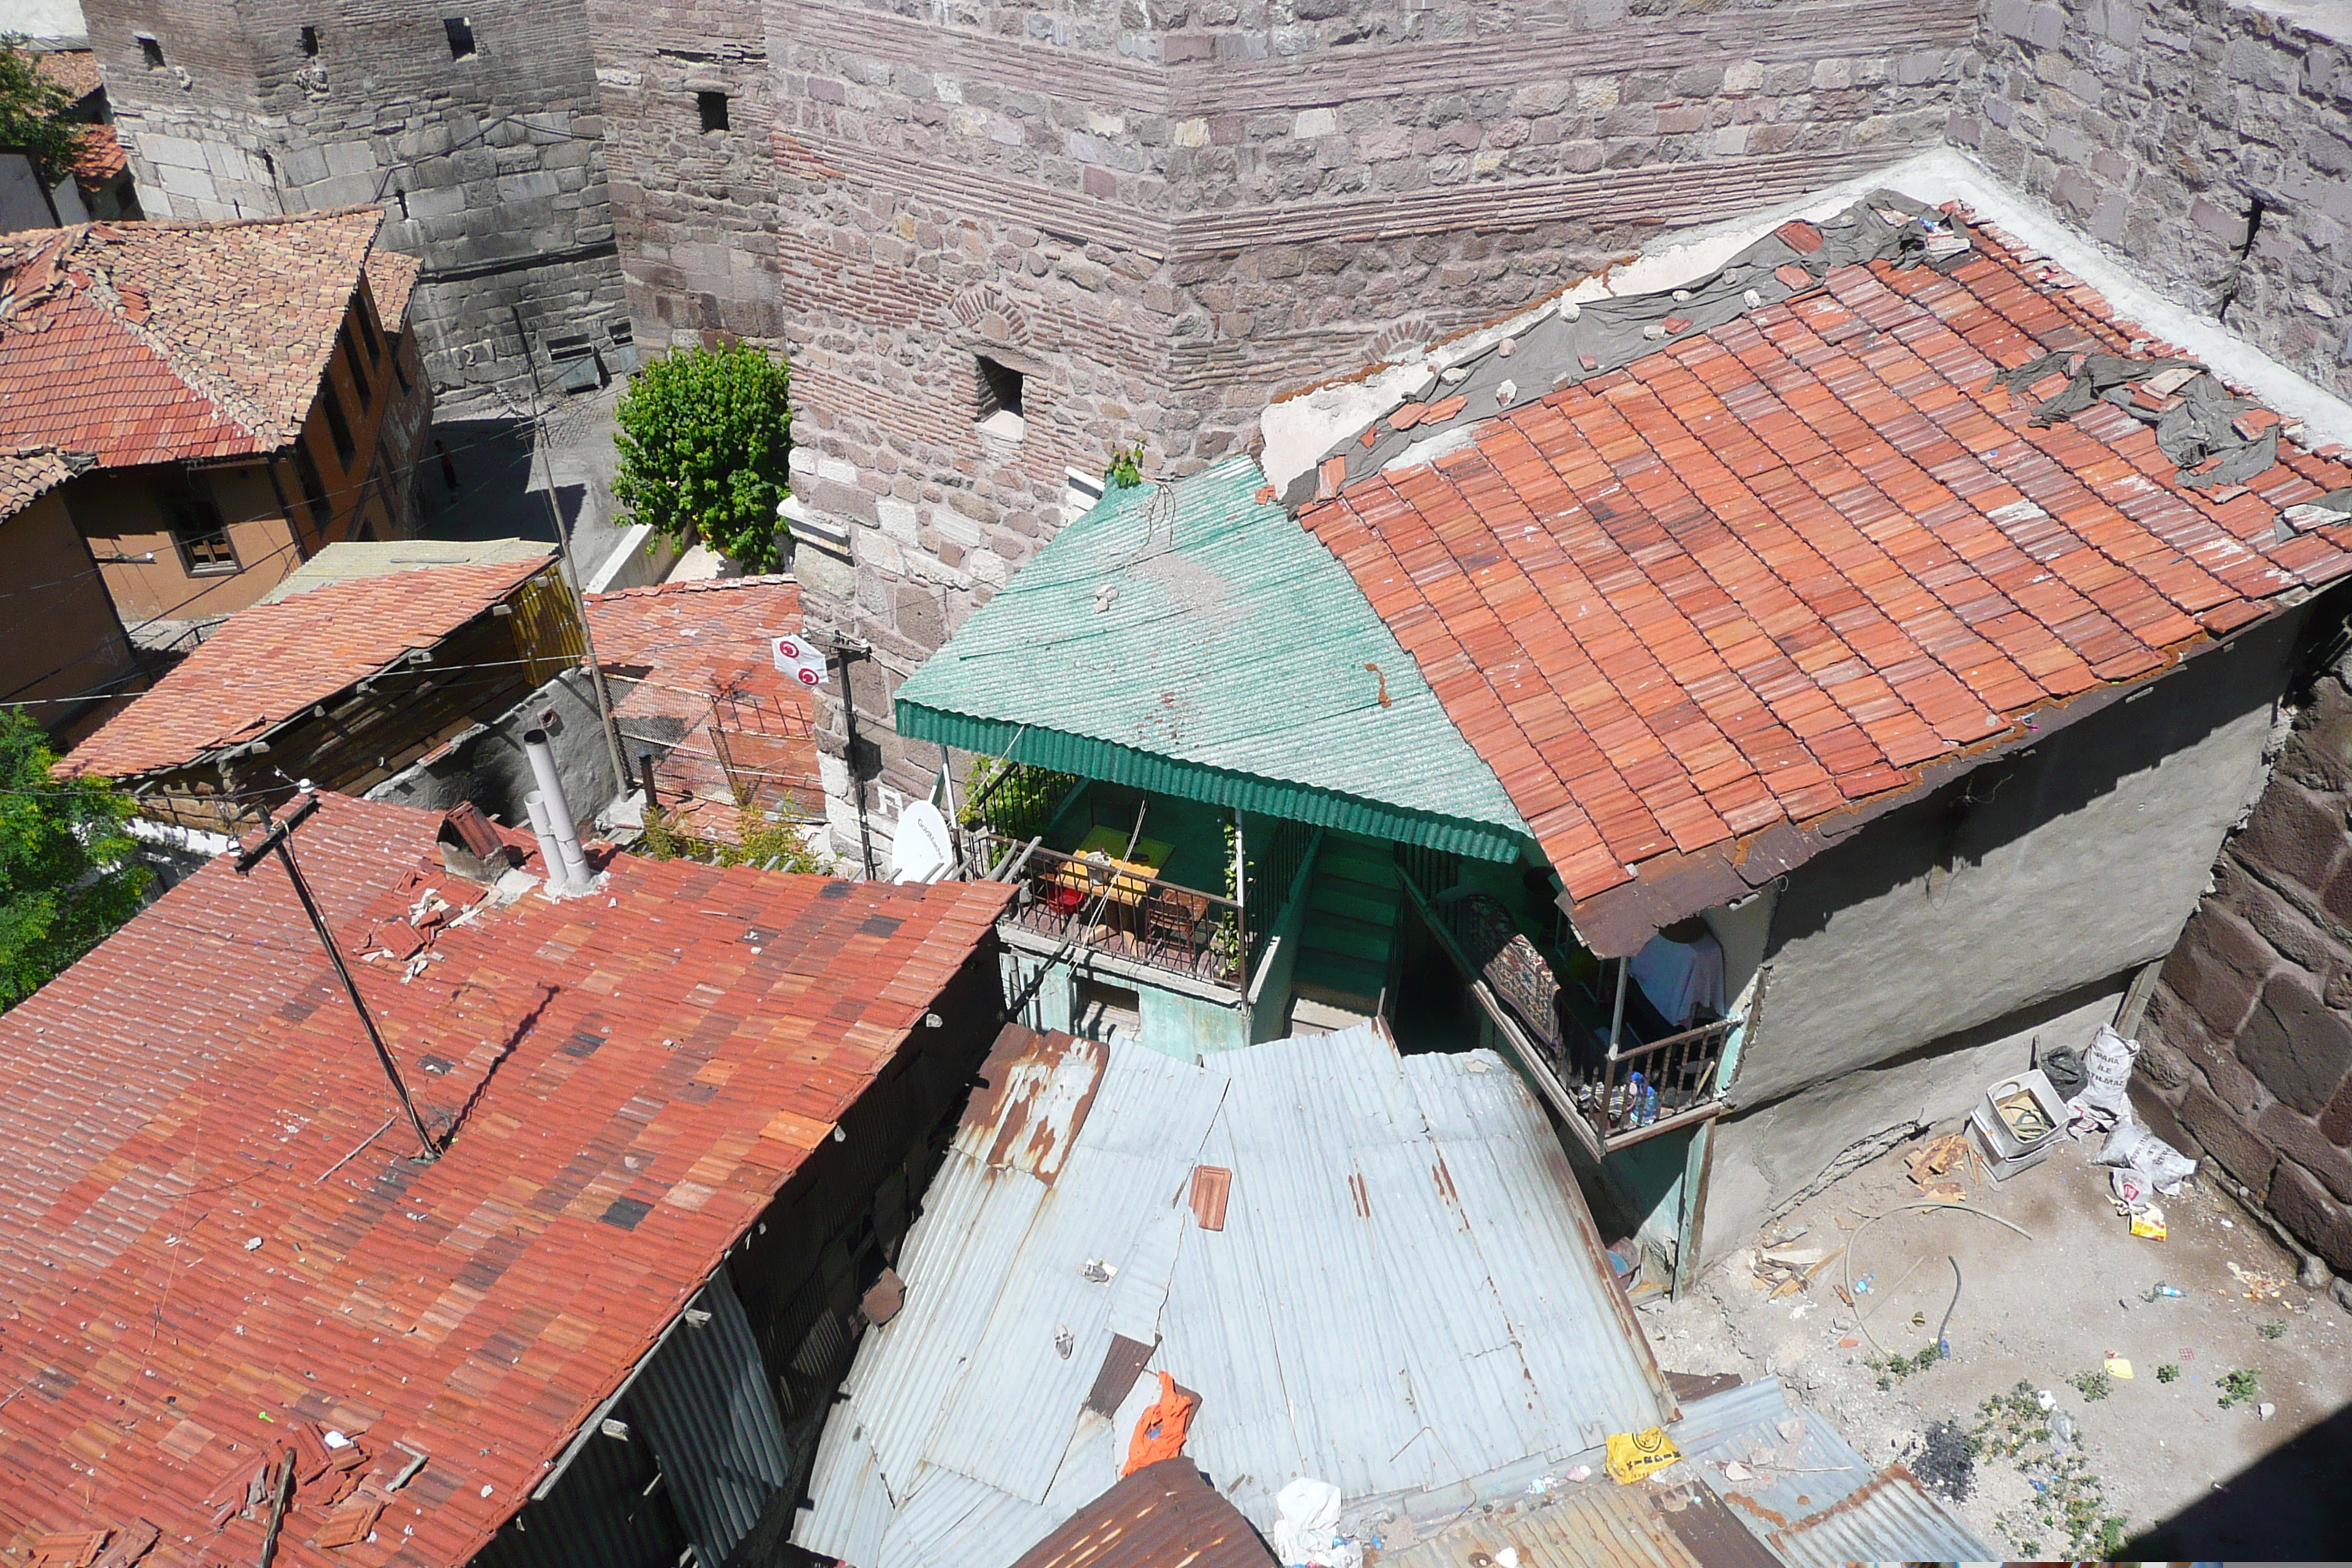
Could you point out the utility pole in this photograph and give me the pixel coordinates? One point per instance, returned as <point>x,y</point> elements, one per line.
<point>279,841</point>
<point>849,649</point>
<point>570,565</point>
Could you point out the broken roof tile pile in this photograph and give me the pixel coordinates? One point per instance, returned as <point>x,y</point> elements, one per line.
<point>707,688</point>
<point>270,661</point>
<point>1372,1270</point>
<point>206,1244</point>
<point>150,343</point>
<point>1799,556</point>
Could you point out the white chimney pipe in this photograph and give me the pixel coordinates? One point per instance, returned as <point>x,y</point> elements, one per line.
<point>551,854</point>
<point>560,825</point>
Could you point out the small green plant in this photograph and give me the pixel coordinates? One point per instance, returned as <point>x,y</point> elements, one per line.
<point>761,841</point>
<point>2274,1329</point>
<point>1900,1366</point>
<point>2239,1387</point>
<point>705,439</point>
<point>1125,469</point>
<point>2093,1385</point>
<point>2069,1500</point>
<point>2168,1373</point>
<point>1020,807</point>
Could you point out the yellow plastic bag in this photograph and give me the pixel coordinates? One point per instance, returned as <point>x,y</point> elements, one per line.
<point>1632,1455</point>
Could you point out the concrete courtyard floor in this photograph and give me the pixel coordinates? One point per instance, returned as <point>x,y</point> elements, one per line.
<point>2190,1478</point>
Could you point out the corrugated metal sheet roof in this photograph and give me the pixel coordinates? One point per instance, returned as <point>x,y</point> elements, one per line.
<point>1605,1526</point>
<point>353,559</point>
<point>1163,1516</point>
<point>1193,640</point>
<point>1813,1501</point>
<point>1355,1174</point>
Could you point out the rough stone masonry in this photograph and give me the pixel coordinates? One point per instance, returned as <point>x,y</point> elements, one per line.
<point>1158,218</point>
<point>474,122</point>
<point>2248,1044</point>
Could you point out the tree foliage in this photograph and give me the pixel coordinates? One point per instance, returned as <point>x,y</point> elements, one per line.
<point>29,105</point>
<point>68,871</point>
<point>705,435</point>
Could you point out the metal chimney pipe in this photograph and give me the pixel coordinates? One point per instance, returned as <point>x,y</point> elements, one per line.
<point>560,824</point>
<point>551,854</point>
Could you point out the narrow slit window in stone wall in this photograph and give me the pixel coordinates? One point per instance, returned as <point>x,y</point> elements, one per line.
<point>310,42</point>
<point>461,37</point>
<point>152,52</point>
<point>713,108</point>
<point>997,399</point>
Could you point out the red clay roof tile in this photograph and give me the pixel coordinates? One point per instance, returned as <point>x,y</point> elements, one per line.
<point>151,343</point>
<point>205,1242</point>
<point>1790,561</point>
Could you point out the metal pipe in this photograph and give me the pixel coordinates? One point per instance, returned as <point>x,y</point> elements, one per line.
<point>1617,1013</point>
<point>558,810</point>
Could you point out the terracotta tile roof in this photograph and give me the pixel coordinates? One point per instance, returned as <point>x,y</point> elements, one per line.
<point>699,653</point>
<point>102,157</point>
<point>188,1092</point>
<point>391,278</point>
<point>28,473</point>
<point>1791,565</point>
<point>74,71</point>
<point>268,661</point>
<point>148,342</point>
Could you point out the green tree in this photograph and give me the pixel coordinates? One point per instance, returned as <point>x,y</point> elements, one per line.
<point>704,437</point>
<point>68,871</point>
<point>30,104</point>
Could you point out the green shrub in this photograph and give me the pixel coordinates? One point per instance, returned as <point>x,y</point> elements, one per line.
<point>705,440</point>
<point>68,871</point>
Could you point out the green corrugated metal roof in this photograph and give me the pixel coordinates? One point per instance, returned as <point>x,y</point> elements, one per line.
<point>1191,640</point>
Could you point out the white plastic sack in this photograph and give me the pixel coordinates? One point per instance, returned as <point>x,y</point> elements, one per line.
<point>2133,1146</point>
<point>1305,1533</point>
<point>2107,1073</point>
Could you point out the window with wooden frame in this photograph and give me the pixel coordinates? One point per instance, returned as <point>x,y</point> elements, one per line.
<point>195,520</point>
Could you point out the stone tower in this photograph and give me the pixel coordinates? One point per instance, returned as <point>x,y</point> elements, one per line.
<point>1000,241</point>
<point>473,121</point>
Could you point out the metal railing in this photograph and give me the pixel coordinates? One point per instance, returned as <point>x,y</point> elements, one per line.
<point>1148,920</point>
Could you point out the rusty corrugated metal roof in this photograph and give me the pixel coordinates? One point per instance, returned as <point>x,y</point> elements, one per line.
<point>1600,1526</point>
<point>1163,1516</point>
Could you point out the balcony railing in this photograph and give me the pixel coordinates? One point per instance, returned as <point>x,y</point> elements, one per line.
<point>1612,1099</point>
<point>1118,910</point>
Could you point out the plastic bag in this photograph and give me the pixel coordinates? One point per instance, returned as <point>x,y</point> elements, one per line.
<point>1306,1530</point>
<point>1632,1455</point>
<point>2106,1072</point>
<point>2062,1066</point>
<point>2157,1162</point>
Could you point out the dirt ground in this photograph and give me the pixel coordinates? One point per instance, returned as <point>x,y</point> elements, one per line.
<point>2186,1476</point>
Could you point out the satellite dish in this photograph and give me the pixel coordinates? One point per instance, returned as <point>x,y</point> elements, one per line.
<point>921,850</point>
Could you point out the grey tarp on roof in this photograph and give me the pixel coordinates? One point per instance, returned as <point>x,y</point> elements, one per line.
<point>962,1438</point>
